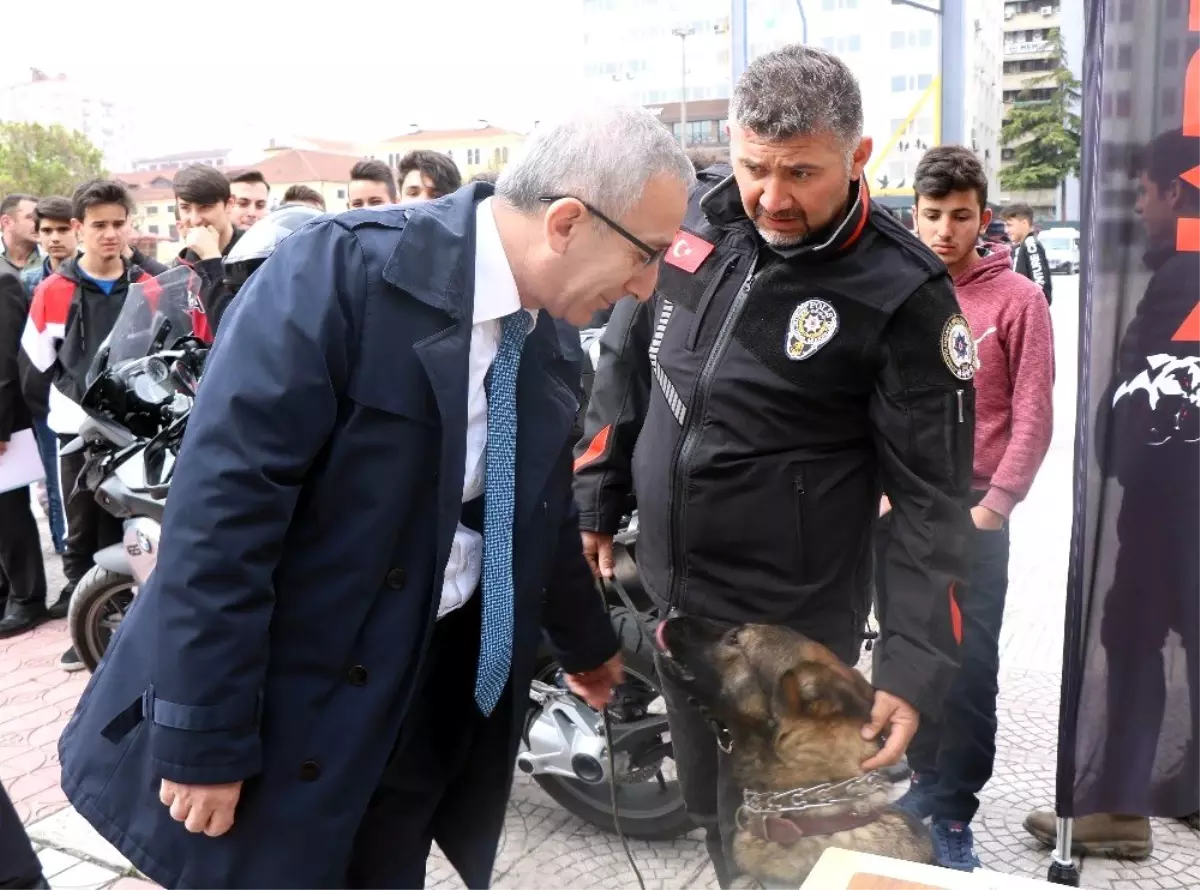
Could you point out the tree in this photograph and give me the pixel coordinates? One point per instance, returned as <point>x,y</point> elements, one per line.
<point>45,160</point>
<point>1045,132</point>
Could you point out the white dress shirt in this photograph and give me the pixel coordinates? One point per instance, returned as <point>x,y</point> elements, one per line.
<point>495,297</point>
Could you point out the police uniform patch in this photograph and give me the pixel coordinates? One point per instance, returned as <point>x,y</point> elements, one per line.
<point>813,324</point>
<point>958,348</point>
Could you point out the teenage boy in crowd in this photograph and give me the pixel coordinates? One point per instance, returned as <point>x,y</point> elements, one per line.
<point>1028,255</point>
<point>56,237</point>
<point>371,185</point>
<point>204,202</point>
<point>427,175</point>
<point>1008,336</point>
<point>72,312</point>
<point>250,192</point>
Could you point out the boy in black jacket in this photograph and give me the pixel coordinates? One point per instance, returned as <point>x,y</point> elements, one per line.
<point>1028,255</point>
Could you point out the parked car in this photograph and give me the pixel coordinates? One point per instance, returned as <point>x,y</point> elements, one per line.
<point>1062,250</point>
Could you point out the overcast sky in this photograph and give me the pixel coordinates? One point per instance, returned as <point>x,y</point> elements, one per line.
<point>232,73</point>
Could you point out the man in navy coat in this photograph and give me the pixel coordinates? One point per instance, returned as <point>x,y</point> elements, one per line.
<point>328,669</point>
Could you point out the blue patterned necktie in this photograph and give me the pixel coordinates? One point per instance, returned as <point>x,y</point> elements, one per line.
<point>500,461</point>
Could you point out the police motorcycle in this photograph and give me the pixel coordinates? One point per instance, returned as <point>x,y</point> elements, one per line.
<point>140,390</point>
<point>564,746</point>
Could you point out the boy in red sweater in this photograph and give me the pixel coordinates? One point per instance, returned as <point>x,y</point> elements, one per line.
<point>1009,323</point>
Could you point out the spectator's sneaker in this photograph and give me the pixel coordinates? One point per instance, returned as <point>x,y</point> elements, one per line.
<point>70,661</point>
<point>917,801</point>
<point>954,846</point>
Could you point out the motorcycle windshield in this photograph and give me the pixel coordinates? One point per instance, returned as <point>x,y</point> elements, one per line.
<point>157,313</point>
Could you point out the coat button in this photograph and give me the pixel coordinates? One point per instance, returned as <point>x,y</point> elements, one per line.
<point>358,675</point>
<point>395,579</point>
<point>310,771</point>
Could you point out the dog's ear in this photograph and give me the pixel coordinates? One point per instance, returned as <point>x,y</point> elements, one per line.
<point>817,691</point>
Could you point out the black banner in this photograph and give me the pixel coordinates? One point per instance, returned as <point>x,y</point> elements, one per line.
<point>1131,674</point>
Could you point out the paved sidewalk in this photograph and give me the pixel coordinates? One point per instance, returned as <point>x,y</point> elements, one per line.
<point>544,847</point>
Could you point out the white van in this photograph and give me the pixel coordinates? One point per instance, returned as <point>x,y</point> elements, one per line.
<point>1062,250</point>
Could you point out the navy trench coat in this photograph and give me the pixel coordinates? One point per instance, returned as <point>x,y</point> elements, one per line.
<point>303,550</point>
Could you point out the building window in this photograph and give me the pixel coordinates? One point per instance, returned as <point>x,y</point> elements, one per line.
<point>1170,101</point>
<point>1124,104</point>
<point>925,37</point>
<point>723,131</point>
<point>829,4</point>
<point>153,230</point>
<point>504,155</point>
<point>1124,57</point>
<point>171,209</point>
<point>923,81</point>
<point>173,231</point>
<point>899,83</point>
<point>1170,53</point>
<point>152,210</point>
<point>341,193</point>
<point>897,40</point>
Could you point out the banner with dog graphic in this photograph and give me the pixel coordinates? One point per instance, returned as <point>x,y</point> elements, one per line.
<point>1129,714</point>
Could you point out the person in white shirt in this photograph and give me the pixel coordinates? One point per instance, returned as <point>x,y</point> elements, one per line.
<point>370,525</point>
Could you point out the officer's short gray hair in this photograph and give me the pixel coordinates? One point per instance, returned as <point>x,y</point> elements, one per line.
<point>799,91</point>
<point>604,157</point>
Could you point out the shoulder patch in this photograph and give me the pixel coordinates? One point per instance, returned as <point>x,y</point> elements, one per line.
<point>958,347</point>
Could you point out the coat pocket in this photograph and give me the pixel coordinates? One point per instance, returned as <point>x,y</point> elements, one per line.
<point>799,496</point>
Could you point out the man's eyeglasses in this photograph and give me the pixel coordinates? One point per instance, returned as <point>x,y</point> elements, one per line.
<point>653,255</point>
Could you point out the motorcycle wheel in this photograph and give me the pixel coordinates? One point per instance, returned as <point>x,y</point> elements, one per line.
<point>99,603</point>
<point>648,810</point>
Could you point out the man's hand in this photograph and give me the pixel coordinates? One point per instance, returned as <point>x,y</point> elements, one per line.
<point>595,686</point>
<point>885,506</point>
<point>598,551</point>
<point>204,242</point>
<point>901,720</point>
<point>3,447</point>
<point>987,519</point>
<point>202,808</point>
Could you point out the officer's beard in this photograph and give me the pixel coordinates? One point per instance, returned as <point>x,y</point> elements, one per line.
<point>775,238</point>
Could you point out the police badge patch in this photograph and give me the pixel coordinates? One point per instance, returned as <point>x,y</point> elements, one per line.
<point>958,348</point>
<point>813,324</point>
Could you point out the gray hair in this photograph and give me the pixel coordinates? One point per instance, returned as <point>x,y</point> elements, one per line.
<point>604,157</point>
<point>799,91</point>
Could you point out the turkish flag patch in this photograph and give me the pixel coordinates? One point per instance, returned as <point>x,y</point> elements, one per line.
<point>687,251</point>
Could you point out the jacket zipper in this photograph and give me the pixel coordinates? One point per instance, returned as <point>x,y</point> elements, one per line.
<point>959,394</point>
<point>707,297</point>
<point>691,436</point>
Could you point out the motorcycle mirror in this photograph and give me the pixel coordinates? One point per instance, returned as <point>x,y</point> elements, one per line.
<point>75,446</point>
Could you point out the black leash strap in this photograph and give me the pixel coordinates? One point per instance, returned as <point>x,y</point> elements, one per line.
<point>612,787</point>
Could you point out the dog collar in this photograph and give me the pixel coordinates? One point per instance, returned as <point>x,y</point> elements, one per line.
<point>784,817</point>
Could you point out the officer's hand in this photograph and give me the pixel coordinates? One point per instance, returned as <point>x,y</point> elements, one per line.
<point>987,519</point>
<point>3,447</point>
<point>885,506</point>
<point>598,550</point>
<point>901,721</point>
<point>204,242</point>
<point>595,687</point>
<point>201,808</point>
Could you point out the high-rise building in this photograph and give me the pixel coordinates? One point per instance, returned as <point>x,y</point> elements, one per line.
<point>1029,56</point>
<point>634,51</point>
<point>49,100</point>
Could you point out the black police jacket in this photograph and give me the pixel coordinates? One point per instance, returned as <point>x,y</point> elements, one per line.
<point>756,405</point>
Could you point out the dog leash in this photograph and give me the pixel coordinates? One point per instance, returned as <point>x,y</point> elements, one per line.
<point>612,787</point>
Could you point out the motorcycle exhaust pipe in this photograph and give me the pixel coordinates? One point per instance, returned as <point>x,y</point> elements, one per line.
<point>587,768</point>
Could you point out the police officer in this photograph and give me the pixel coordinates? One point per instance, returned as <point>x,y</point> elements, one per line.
<point>802,350</point>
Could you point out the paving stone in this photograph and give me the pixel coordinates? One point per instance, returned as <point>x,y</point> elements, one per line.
<point>67,830</point>
<point>84,876</point>
<point>55,861</point>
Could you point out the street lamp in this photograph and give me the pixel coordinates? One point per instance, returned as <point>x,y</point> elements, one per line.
<point>683,34</point>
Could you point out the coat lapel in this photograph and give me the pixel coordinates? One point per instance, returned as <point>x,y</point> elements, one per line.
<point>546,409</point>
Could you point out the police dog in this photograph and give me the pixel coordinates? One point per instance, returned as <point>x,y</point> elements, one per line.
<point>794,714</point>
